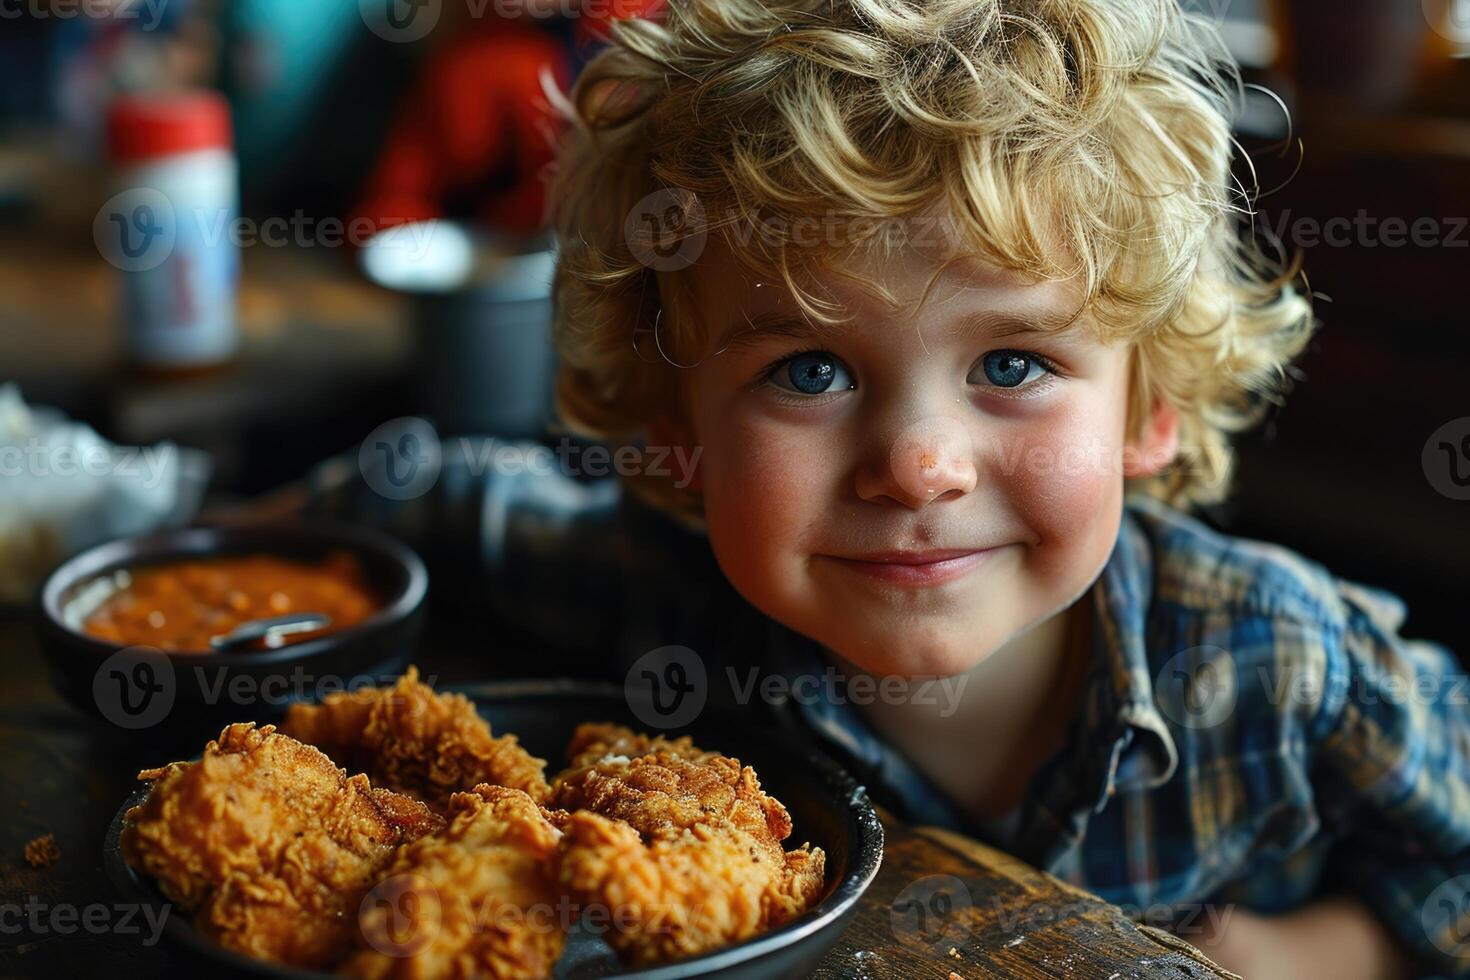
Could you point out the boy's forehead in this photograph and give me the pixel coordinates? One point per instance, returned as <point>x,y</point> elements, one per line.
<point>968,291</point>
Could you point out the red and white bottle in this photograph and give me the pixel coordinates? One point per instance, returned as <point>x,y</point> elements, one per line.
<point>171,228</point>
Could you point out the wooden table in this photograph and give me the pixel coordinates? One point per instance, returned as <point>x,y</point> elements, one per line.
<point>941,907</point>
<point>946,906</point>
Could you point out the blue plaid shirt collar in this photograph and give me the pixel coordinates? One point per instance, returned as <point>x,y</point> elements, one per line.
<point>1121,600</point>
<point>1119,741</point>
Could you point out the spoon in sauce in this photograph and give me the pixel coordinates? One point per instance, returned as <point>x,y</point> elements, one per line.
<point>271,631</point>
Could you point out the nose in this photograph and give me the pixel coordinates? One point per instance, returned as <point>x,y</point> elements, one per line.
<point>931,459</point>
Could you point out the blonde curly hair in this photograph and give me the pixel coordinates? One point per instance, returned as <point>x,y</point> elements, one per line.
<point>1062,138</point>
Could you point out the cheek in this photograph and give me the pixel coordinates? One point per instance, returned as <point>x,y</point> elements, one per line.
<point>765,484</point>
<point>1063,478</point>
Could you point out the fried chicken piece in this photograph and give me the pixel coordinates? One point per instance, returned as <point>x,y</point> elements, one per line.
<point>661,793</point>
<point>411,740</point>
<point>479,900</point>
<point>43,851</point>
<point>595,740</point>
<point>680,846</point>
<point>685,894</point>
<point>269,843</point>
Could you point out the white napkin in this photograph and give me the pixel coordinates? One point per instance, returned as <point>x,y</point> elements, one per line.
<point>64,488</point>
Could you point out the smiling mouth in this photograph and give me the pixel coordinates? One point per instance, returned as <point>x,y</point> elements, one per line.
<point>915,568</point>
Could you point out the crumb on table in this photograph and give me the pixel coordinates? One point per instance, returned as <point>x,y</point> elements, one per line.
<point>43,851</point>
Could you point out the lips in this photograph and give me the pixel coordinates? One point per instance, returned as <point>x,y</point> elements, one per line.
<point>915,568</point>
<point>925,557</point>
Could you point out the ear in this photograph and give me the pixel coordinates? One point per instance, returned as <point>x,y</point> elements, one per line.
<point>667,433</point>
<point>1156,446</point>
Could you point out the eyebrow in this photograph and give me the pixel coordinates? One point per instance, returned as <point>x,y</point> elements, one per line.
<point>992,324</point>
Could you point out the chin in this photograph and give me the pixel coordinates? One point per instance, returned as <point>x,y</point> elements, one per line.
<point>911,652</point>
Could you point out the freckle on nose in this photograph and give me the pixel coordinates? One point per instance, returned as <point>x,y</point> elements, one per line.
<point>933,456</point>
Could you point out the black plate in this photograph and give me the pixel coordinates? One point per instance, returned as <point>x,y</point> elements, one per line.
<point>827,808</point>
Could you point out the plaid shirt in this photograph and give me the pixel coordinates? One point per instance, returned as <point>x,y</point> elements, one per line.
<point>1253,729</point>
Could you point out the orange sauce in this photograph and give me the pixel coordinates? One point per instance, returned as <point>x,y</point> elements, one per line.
<point>180,605</point>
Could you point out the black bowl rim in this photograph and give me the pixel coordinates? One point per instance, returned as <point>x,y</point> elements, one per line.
<point>864,858</point>
<point>219,539</point>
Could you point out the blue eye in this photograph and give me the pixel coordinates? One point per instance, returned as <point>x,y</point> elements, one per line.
<point>811,373</point>
<point>1010,368</point>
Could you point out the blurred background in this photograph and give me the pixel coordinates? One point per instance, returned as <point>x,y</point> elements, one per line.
<point>304,128</point>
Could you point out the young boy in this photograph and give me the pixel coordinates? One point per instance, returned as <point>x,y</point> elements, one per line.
<point>944,301</point>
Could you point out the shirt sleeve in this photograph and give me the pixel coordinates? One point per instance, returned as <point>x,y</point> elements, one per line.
<point>1392,778</point>
<point>519,538</point>
<point>571,562</point>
